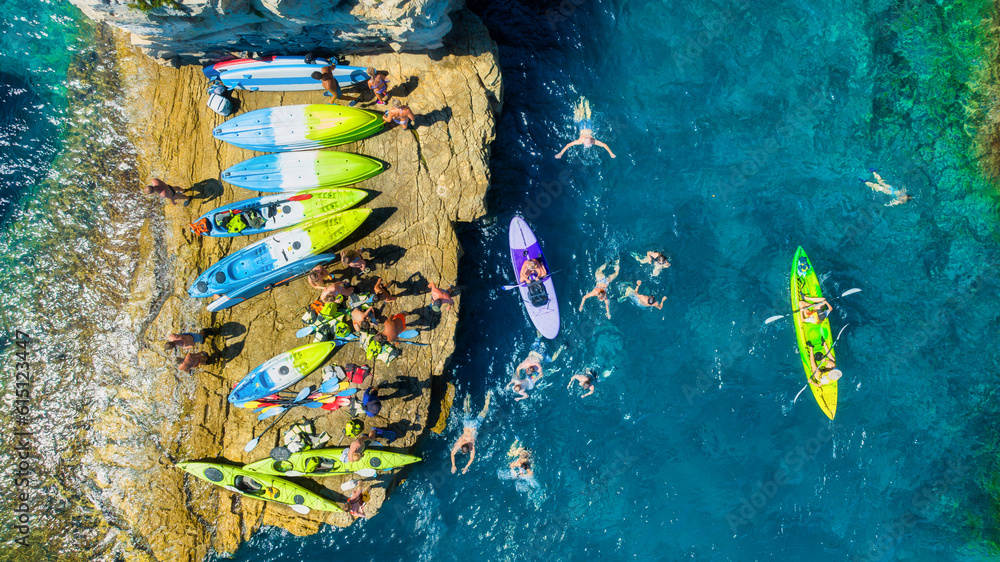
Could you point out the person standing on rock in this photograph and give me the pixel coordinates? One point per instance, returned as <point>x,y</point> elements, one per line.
<point>352,259</point>
<point>400,114</point>
<point>378,85</point>
<point>381,294</point>
<point>355,452</point>
<point>467,442</point>
<point>319,277</point>
<point>192,361</point>
<point>325,75</point>
<point>392,328</point>
<point>336,289</point>
<point>186,340</point>
<point>440,297</point>
<point>167,191</point>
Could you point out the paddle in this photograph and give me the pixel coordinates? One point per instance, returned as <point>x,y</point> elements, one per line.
<point>837,339</point>
<point>408,334</point>
<point>780,316</point>
<point>365,472</point>
<point>302,197</point>
<point>349,485</point>
<point>252,444</point>
<point>412,342</point>
<point>509,287</point>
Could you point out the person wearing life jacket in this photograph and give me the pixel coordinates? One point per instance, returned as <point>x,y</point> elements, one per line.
<point>814,309</point>
<point>356,503</point>
<point>822,365</point>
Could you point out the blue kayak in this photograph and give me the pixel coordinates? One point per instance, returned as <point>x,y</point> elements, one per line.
<point>274,260</point>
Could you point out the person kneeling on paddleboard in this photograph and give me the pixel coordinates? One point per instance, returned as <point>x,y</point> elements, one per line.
<point>822,366</point>
<point>532,270</point>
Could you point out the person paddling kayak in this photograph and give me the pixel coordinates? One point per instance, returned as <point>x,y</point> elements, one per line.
<point>822,365</point>
<point>814,309</point>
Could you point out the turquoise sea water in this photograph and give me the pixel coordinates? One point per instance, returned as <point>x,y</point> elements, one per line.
<point>741,131</point>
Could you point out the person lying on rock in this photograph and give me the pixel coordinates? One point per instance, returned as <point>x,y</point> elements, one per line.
<point>400,114</point>
<point>167,191</point>
<point>356,503</point>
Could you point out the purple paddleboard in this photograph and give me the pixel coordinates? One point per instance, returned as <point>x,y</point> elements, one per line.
<point>539,297</point>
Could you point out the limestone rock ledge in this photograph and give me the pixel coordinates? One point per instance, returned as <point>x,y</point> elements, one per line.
<point>202,30</point>
<point>438,174</point>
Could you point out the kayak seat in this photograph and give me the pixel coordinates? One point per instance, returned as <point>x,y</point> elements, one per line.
<point>253,219</point>
<point>247,484</point>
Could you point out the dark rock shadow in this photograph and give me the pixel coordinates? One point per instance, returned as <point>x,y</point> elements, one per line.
<point>442,115</point>
<point>402,427</point>
<point>226,354</point>
<point>426,318</point>
<point>404,89</point>
<point>405,386</point>
<point>206,190</point>
<point>415,284</point>
<point>375,220</point>
<point>232,330</point>
<point>389,254</point>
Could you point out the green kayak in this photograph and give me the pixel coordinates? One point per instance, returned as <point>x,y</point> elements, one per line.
<point>804,283</point>
<point>260,486</point>
<point>326,462</point>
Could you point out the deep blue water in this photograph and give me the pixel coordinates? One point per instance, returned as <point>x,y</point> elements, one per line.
<point>741,132</point>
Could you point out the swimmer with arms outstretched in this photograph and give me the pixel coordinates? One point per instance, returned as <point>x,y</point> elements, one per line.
<point>581,114</point>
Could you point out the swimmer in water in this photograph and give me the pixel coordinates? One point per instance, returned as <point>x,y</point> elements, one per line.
<point>581,114</point>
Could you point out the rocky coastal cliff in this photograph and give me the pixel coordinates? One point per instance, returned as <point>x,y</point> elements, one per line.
<point>437,175</point>
<point>198,31</point>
